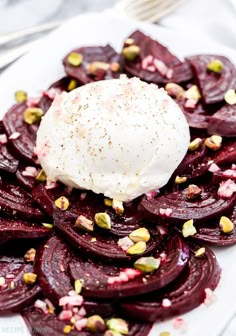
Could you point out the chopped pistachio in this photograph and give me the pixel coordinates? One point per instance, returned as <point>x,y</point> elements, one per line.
<point>200,252</point>
<point>174,90</point>
<point>108,202</point>
<point>188,229</point>
<point>214,142</point>
<point>12,285</point>
<point>103,220</point>
<point>93,240</point>
<point>141,234</point>
<point>75,59</point>
<point>21,96</point>
<point>67,329</point>
<point>193,93</point>
<point>72,85</point>
<point>96,324</point>
<point>93,67</point>
<point>147,264</point>
<point>78,286</point>
<point>33,115</point>
<point>165,333</point>
<point>226,225</point>
<point>84,223</point>
<point>30,255</point>
<point>2,281</point>
<point>230,97</point>
<point>131,52</point>
<point>119,325</point>
<point>137,248</point>
<point>48,225</point>
<point>29,278</point>
<point>129,42</point>
<point>215,66</point>
<point>180,179</point>
<point>41,177</point>
<point>117,206</point>
<point>62,203</point>
<point>115,67</point>
<point>192,191</point>
<point>195,144</point>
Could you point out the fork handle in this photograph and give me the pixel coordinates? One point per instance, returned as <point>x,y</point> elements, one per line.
<point>11,37</point>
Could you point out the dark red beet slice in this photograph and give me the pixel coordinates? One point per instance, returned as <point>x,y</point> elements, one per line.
<point>23,146</point>
<point>88,204</point>
<point>22,295</point>
<point>223,122</point>
<point>92,54</point>
<point>17,203</point>
<point>210,232</point>
<point>40,324</point>
<point>96,274</point>
<point>60,85</point>
<point>213,86</point>
<point>18,229</point>
<point>185,293</point>
<point>181,70</point>
<point>209,205</point>
<point>51,264</point>
<point>7,162</point>
<point>105,245</point>
<point>51,267</point>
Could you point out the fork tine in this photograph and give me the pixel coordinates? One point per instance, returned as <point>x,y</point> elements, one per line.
<point>146,7</point>
<point>154,12</point>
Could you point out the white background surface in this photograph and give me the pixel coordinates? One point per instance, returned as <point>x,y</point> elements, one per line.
<point>42,66</point>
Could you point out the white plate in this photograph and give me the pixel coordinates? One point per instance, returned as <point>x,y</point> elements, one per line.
<point>38,69</point>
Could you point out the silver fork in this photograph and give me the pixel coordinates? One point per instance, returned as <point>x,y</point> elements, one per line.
<point>143,10</point>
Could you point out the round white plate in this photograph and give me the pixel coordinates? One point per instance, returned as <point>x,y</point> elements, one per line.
<point>38,69</point>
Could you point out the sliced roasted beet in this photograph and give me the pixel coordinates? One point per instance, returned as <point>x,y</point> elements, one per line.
<point>96,275</point>
<point>190,162</point>
<point>23,145</point>
<point>18,229</point>
<point>7,162</point>
<point>223,175</point>
<point>17,203</point>
<point>181,70</point>
<point>51,265</point>
<point>100,243</point>
<point>92,54</point>
<point>88,204</point>
<point>210,232</point>
<point>223,122</point>
<point>208,205</point>
<point>25,181</point>
<point>48,96</point>
<point>185,293</point>
<point>20,295</point>
<point>213,86</point>
<point>40,324</point>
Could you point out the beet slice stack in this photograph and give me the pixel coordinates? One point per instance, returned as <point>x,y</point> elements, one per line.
<point>184,294</point>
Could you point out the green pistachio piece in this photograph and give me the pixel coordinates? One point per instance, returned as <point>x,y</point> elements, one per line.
<point>215,66</point>
<point>96,324</point>
<point>200,252</point>
<point>180,179</point>
<point>21,96</point>
<point>147,264</point>
<point>41,177</point>
<point>78,286</point>
<point>193,93</point>
<point>30,255</point>
<point>141,234</point>
<point>230,97</point>
<point>75,59</point>
<point>29,278</point>
<point>48,226</point>
<point>103,220</point>
<point>119,325</point>
<point>33,115</point>
<point>226,225</point>
<point>131,52</point>
<point>195,144</point>
<point>137,248</point>
<point>62,203</point>
<point>72,85</point>
<point>188,229</point>
<point>84,223</point>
